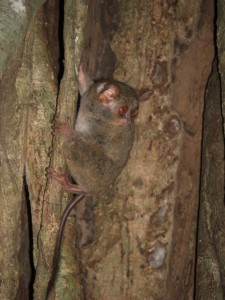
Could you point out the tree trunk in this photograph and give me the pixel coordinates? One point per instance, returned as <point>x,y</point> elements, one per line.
<point>210,275</point>
<point>210,264</point>
<point>138,241</point>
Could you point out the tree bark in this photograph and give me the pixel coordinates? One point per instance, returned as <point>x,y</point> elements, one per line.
<point>14,100</point>
<point>15,19</point>
<point>53,199</point>
<point>152,218</point>
<point>210,275</point>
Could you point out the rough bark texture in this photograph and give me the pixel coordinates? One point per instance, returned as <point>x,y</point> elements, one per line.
<point>28,104</point>
<point>210,275</point>
<point>14,21</point>
<point>192,71</point>
<point>142,233</point>
<point>15,87</point>
<point>102,23</point>
<point>221,50</point>
<point>152,219</point>
<point>52,199</point>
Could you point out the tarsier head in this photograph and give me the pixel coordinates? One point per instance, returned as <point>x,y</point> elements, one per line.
<point>121,100</point>
<point>119,103</point>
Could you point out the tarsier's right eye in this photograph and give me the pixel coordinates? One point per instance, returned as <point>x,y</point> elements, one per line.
<point>123,110</point>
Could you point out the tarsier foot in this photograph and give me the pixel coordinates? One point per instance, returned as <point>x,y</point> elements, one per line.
<point>63,179</point>
<point>63,128</point>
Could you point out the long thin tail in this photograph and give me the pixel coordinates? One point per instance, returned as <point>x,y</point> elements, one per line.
<point>55,261</point>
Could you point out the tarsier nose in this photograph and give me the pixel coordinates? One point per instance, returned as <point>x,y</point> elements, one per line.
<point>128,118</point>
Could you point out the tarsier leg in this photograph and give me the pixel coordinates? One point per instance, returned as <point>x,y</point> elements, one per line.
<point>63,179</point>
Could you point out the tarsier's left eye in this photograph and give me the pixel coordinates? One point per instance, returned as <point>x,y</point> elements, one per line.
<point>123,110</point>
<point>134,112</point>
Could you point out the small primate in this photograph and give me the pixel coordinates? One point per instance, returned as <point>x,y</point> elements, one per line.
<point>98,149</point>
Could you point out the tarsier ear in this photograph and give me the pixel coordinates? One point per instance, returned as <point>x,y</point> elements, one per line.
<point>107,95</point>
<point>144,94</point>
<point>85,81</point>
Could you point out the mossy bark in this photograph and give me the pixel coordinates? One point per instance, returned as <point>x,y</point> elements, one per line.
<point>29,101</point>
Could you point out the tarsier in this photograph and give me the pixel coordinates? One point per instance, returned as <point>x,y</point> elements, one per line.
<point>98,149</point>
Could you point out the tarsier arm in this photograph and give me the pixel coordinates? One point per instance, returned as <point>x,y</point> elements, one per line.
<point>64,129</point>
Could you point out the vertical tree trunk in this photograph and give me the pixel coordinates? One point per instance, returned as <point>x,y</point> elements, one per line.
<point>210,265</point>
<point>15,93</point>
<point>152,218</point>
<point>52,198</point>
<point>210,275</point>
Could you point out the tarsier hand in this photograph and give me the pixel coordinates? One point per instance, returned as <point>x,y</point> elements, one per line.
<point>63,128</point>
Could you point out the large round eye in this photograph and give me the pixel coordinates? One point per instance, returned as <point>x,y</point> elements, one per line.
<point>134,112</point>
<point>122,110</point>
